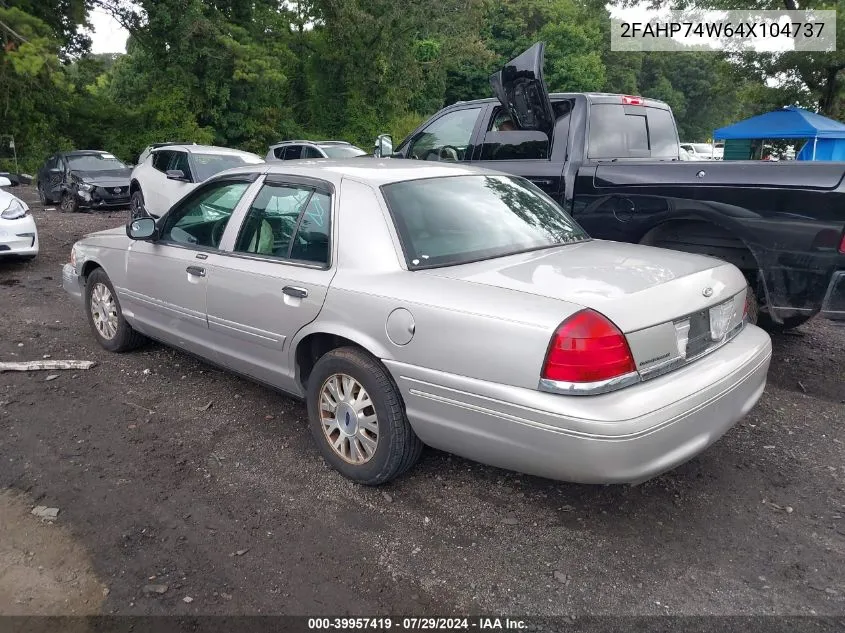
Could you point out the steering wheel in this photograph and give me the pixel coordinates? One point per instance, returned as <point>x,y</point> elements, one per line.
<point>448,153</point>
<point>217,231</point>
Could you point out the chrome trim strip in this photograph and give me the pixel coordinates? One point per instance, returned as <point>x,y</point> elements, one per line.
<point>588,388</point>
<point>676,363</point>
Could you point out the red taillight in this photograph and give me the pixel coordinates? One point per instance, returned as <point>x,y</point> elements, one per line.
<point>842,245</point>
<point>628,100</point>
<point>587,347</point>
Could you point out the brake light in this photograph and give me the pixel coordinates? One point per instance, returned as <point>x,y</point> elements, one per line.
<point>628,100</point>
<point>842,244</point>
<point>587,347</point>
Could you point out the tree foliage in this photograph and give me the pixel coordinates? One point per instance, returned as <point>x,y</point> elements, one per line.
<point>246,74</point>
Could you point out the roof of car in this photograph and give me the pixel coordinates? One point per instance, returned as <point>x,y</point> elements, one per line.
<point>203,149</point>
<point>593,97</point>
<point>85,152</point>
<point>317,143</point>
<point>373,171</point>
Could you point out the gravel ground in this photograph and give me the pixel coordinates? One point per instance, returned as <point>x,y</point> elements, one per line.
<point>169,472</point>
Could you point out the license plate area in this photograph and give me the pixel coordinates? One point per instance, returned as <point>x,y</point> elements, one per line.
<point>703,330</point>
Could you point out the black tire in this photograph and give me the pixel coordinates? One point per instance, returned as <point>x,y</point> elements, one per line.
<point>69,203</point>
<point>42,196</point>
<point>398,448</point>
<point>124,338</point>
<point>136,206</point>
<point>757,315</point>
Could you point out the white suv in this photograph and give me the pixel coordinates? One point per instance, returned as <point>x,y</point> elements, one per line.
<point>170,172</point>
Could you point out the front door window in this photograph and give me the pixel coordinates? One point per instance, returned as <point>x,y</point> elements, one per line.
<point>447,138</point>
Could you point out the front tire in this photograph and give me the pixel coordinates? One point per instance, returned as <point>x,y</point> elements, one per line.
<point>357,418</point>
<point>105,316</point>
<point>69,203</point>
<point>137,209</point>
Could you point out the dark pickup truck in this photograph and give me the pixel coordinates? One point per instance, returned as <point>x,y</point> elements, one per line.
<point>613,162</point>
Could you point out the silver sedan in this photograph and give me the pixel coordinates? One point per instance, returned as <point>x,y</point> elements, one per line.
<point>412,303</point>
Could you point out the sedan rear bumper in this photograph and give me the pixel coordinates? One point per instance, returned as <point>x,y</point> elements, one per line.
<point>623,437</point>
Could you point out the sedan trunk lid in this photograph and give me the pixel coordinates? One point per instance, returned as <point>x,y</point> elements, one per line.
<point>634,286</point>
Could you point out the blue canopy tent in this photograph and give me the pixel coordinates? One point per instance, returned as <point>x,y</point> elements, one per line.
<point>826,137</point>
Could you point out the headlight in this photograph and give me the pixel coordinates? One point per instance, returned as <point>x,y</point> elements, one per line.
<point>85,186</point>
<point>15,210</point>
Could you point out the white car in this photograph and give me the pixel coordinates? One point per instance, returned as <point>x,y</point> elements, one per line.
<point>699,151</point>
<point>170,172</point>
<point>18,235</point>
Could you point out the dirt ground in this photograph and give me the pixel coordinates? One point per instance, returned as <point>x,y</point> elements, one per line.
<point>184,490</point>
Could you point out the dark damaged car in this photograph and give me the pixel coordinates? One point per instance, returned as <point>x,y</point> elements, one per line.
<point>84,179</point>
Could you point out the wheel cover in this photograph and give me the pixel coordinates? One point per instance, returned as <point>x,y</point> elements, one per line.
<point>104,311</point>
<point>67,202</point>
<point>348,419</point>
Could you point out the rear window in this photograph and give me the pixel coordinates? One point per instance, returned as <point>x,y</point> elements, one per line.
<point>618,131</point>
<point>460,219</point>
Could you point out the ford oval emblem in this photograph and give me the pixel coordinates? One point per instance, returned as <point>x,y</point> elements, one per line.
<point>707,292</point>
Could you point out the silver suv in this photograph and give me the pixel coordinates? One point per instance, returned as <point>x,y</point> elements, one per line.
<point>295,150</point>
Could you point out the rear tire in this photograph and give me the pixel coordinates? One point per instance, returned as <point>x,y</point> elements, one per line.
<point>765,321</point>
<point>106,317</point>
<point>367,437</point>
<point>42,196</point>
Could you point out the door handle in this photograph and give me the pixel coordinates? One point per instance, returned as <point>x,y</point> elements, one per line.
<point>294,291</point>
<point>196,271</point>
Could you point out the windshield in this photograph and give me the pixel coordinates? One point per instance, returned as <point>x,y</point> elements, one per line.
<point>342,151</point>
<point>460,219</point>
<point>206,165</point>
<point>702,148</point>
<point>94,162</point>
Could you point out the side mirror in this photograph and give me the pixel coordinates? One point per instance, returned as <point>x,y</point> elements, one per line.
<point>57,170</point>
<point>176,174</point>
<point>5,182</point>
<point>141,229</point>
<point>384,146</point>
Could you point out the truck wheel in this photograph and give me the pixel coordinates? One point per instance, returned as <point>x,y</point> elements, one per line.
<point>357,418</point>
<point>761,318</point>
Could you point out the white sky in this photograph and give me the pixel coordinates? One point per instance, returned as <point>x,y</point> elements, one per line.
<point>107,35</point>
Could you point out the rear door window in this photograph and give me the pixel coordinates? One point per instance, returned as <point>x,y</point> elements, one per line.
<point>293,152</point>
<point>618,131</point>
